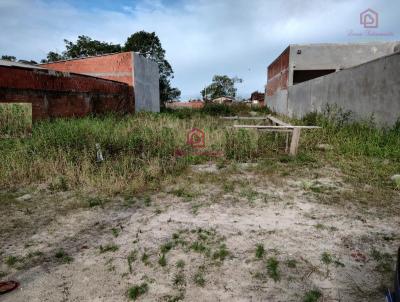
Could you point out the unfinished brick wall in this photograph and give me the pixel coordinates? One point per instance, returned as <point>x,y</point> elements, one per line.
<point>127,67</point>
<point>57,94</point>
<point>116,67</point>
<point>278,74</point>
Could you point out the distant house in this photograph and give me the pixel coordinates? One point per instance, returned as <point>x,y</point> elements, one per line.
<point>193,104</point>
<point>257,98</point>
<point>223,100</point>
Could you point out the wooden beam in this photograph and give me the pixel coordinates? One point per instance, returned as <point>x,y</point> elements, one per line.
<point>277,130</point>
<point>277,121</point>
<point>275,127</point>
<point>244,117</point>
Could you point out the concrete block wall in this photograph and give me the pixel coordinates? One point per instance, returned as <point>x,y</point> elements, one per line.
<point>127,67</point>
<point>325,56</point>
<point>369,89</point>
<point>278,102</point>
<point>146,84</point>
<point>62,94</point>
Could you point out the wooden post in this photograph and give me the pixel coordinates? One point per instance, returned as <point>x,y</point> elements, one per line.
<point>294,144</point>
<point>287,143</point>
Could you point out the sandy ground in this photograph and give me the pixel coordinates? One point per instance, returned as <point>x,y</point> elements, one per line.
<point>213,221</point>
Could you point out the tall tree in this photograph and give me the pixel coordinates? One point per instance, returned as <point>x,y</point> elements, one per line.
<point>14,59</point>
<point>8,58</point>
<point>83,47</point>
<point>221,85</point>
<point>149,46</point>
<point>86,46</point>
<point>53,57</point>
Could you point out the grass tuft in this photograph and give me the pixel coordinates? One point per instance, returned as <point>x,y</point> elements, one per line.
<point>273,269</point>
<point>260,251</point>
<point>312,296</point>
<point>109,248</point>
<point>138,290</point>
<point>63,257</point>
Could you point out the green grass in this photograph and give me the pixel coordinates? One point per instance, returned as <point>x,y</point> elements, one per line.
<point>131,259</point>
<point>108,248</point>
<point>199,278</point>
<point>221,253</point>
<point>180,263</point>
<point>15,119</point>
<point>145,258</point>
<point>291,263</point>
<point>273,269</point>
<point>63,257</point>
<point>326,258</point>
<point>166,247</point>
<point>162,260</point>
<point>96,201</point>
<point>260,251</point>
<point>140,150</point>
<point>385,263</point>
<point>199,247</point>
<point>312,296</point>
<point>115,232</point>
<point>179,279</point>
<point>138,290</point>
<point>12,260</point>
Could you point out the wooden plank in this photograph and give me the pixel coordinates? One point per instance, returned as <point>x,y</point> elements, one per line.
<point>275,127</point>
<point>277,121</point>
<point>294,144</point>
<point>277,130</point>
<point>244,117</point>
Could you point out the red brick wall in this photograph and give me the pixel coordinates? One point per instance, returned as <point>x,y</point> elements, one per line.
<point>56,94</point>
<point>117,67</point>
<point>278,73</point>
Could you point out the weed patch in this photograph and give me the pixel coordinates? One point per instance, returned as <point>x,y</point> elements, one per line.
<point>273,269</point>
<point>138,290</point>
<point>312,296</point>
<point>260,251</point>
<point>63,257</point>
<point>108,248</point>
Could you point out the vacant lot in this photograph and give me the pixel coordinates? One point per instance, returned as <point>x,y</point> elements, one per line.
<point>148,224</point>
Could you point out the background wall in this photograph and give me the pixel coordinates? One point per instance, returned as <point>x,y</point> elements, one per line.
<point>372,88</point>
<point>146,83</point>
<point>57,94</point>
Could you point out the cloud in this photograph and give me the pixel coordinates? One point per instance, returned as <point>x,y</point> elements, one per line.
<point>201,37</point>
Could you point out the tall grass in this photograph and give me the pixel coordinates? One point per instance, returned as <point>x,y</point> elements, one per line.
<point>15,119</point>
<point>354,138</point>
<point>143,150</point>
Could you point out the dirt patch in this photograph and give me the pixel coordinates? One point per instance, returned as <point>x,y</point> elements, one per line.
<point>197,241</point>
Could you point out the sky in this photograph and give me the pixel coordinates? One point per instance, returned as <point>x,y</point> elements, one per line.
<point>202,38</point>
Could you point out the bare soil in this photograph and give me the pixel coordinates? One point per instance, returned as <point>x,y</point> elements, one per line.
<point>322,237</point>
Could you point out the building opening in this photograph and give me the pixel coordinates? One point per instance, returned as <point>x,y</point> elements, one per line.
<point>305,75</point>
